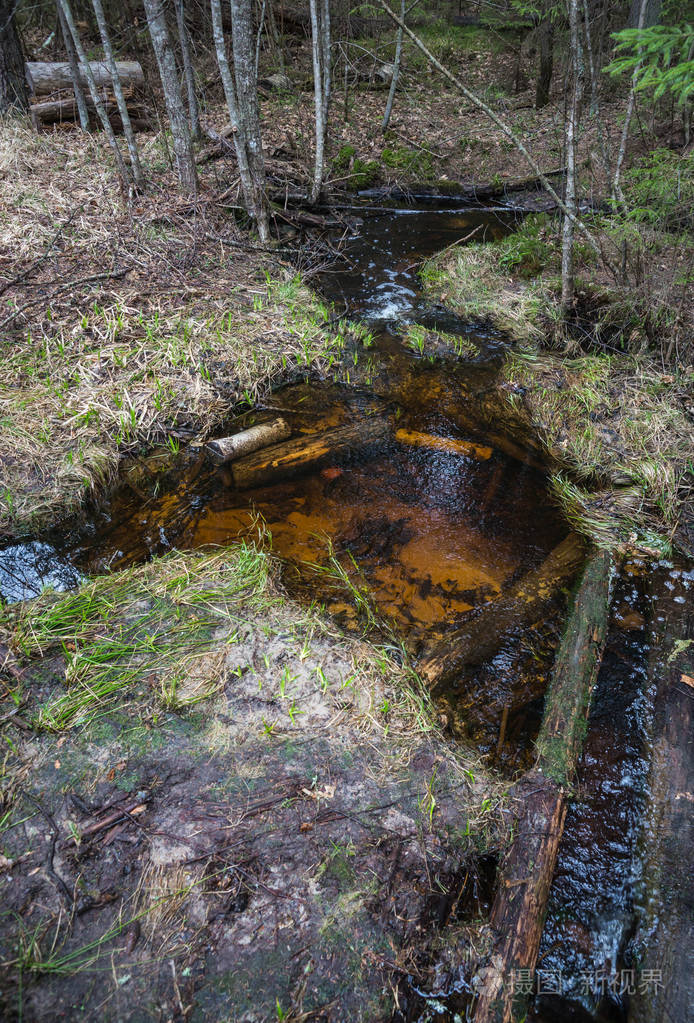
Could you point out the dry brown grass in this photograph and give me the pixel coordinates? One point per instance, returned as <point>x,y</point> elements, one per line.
<point>192,320</point>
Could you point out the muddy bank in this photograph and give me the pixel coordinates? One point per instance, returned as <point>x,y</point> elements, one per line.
<point>289,841</point>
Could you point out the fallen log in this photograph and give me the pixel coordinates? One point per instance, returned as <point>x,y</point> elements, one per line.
<point>225,449</point>
<point>664,937</point>
<point>64,111</point>
<point>449,444</point>
<point>518,911</point>
<point>480,635</point>
<point>308,452</point>
<point>44,77</point>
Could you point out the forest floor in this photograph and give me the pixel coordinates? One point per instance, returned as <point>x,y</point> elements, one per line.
<point>210,794</point>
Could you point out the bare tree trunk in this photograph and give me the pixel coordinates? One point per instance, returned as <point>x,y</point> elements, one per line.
<point>13,87</point>
<point>320,33</point>
<point>546,59</point>
<point>616,187</point>
<point>247,99</point>
<point>74,71</point>
<point>166,62</point>
<point>567,241</point>
<point>259,35</point>
<point>232,105</point>
<point>94,90</point>
<point>396,70</point>
<point>138,176</point>
<point>595,98</point>
<point>193,109</point>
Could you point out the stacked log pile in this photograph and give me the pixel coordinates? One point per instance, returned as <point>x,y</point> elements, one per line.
<point>53,97</point>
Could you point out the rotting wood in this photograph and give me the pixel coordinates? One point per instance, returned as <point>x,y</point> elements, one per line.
<point>452,445</point>
<point>44,77</point>
<point>520,903</point>
<point>480,635</point>
<point>225,449</point>
<point>308,452</point>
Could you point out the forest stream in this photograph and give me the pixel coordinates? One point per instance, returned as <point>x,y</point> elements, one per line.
<point>425,524</point>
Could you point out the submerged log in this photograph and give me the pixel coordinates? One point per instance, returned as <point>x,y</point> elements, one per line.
<point>45,78</point>
<point>480,636</point>
<point>450,444</point>
<point>225,449</point>
<point>308,452</point>
<point>518,911</point>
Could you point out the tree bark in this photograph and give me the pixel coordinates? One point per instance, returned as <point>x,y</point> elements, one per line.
<point>135,164</point>
<point>320,41</point>
<point>571,132</point>
<point>546,59</point>
<point>308,452</point>
<point>520,902</point>
<point>13,86</point>
<point>249,112</point>
<point>631,103</point>
<point>166,62</point>
<point>80,98</point>
<point>48,77</point>
<point>396,70</point>
<point>480,635</point>
<point>189,74</point>
<point>94,90</point>
<point>60,111</point>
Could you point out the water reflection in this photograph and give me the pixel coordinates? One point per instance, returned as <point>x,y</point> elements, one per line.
<point>28,568</point>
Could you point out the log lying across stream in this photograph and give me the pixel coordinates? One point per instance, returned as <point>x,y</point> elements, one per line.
<point>308,452</point>
<point>480,636</point>
<point>525,876</point>
<point>226,449</point>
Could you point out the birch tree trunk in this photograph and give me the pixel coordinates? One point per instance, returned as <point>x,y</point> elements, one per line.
<point>74,72</point>
<point>567,240</point>
<point>396,70</point>
<point>248,109</point>
<point>94,90</point>
<point>166,62</point>
<point>184,37</point>
<point>320,36</point>
<point>138,176</point>
<point>13,89</point>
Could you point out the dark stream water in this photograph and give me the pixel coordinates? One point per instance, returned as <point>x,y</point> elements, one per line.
<point>432,531</point>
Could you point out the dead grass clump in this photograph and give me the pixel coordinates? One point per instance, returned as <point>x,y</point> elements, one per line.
<point>621,423</point>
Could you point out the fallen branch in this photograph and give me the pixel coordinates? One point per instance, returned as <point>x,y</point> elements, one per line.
<point>226,449</point>
<point>69,285</point>
<point>452,445</point>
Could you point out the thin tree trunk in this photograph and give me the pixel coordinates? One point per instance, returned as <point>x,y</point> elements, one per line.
<point>247,99</point>
<point>567,240</point>
<point>259,36</point>
<point>184,37</point>
<point>13,86</point>
<point>94,90</point>
<point>595,98</point>
<point>320,37</point>
<point>616,187</point>
<point>74,71</point>
<point>138,176</point>
<point>546,59</point>
<point>238,130</point>
<point>166,62</point>
<point>396,71</point>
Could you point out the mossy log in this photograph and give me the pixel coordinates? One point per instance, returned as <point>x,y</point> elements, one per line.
<point>480,636</point>
<point>309,452</point>
<point>518,911</point>
<point>226,449</point>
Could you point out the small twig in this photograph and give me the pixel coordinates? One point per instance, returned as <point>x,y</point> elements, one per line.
<point>114,275</point>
